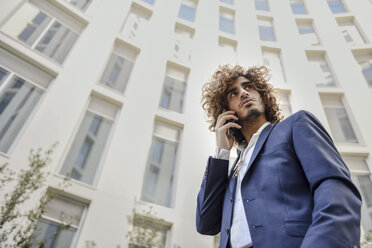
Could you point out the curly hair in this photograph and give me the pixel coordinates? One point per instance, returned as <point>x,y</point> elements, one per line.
<point>214,94</point>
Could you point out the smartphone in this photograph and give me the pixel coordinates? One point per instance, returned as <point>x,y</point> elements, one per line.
<point>233,130</point>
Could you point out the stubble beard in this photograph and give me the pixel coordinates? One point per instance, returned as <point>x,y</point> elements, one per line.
<point>252,116</point>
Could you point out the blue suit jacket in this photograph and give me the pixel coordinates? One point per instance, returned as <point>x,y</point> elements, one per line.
<point>297,191</point>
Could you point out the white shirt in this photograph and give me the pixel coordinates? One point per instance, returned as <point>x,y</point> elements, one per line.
<point>240,236</point>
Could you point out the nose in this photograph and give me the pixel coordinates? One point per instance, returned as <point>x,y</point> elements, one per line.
<point>243,93</point>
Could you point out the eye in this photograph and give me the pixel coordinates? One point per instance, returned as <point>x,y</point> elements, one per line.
<point>232,93</point>
<point>246,86</point>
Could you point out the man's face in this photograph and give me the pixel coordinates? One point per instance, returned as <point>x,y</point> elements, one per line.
<point>246,102</point>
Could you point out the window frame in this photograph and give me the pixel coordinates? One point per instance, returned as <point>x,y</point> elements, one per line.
<point>176,158</point>
<point>81,222</point>
<point>34,110</point>
<point>57,15</point>
<point>73,136</point>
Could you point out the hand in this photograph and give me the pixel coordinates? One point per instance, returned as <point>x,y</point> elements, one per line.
<point>224,138</point>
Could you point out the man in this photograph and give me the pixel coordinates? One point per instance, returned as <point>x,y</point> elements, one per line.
<point>289,186</point>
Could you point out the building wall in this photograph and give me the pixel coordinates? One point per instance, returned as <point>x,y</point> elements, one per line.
<point>101,27</point>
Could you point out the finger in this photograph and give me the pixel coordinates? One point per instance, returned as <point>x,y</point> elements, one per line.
<point>224,118</point>
<point>224,113</point>
<point>225,127</point>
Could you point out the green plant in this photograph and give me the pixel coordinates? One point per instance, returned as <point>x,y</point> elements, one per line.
<point>17,224</point>
<point>147,231</point>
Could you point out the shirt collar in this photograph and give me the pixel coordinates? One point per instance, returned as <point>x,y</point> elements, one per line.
<point>242,146</point>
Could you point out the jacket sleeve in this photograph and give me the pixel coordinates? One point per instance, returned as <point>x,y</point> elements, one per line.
<point>337,202</point>
<point>211,196</point>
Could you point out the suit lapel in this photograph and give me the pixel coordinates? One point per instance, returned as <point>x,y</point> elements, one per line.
<point>260,142</point>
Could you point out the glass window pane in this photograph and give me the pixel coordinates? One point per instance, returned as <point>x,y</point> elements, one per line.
<point>28,24</point>
<point>17,102</point>
<point>187,12</point>
<point>49,234</point>
<point>305,30</point>
<point>298,7</point>
<point>157,151</point>
<point>339,121</point>
<point>351,33</point>
<point>365,62</point>
<point>366,188</point>
<point>322,70</point>
<point>3,75</point>
<point>228,1</point>
<point>117,72</point>
<point>262,5</point>
<point>149,1</point>
<point>158,182</point>
<point>367,73</point>
<point>173,94</point>
<point>285,105</point>
<point>63,207</point>
<point>57,42</point>
<point>226,25</point>
<point>363,183</point>
<point>266,33</point>
<point>336,6</point>
<point>87,149</point>
<point>272,59</point>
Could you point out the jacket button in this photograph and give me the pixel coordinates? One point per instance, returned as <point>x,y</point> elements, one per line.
<point>230,199</point>
<point>254,226</point>
<point>227,230</point>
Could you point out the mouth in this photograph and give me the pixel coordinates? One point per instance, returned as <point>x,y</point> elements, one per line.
<point>246,102</point>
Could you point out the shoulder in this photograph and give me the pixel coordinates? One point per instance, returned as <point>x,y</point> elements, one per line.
<point>303,115</point>
<point>301,119</point>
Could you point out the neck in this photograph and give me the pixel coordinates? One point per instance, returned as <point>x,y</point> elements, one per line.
<point>249,128</point>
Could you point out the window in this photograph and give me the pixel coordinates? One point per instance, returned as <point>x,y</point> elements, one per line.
<point>298,7</point>
<point>338,120</point>
<point>158,183</point>
<point>365,62</point>
<point>266,30</point>
<point>321,70</point>
<point>21,88</point>
<point>137,23</point>
<point>174,89</point>
<point>307,33</point>
<point>336,6</point>
<point>361,177</point>
<point>262,5</point>
<point>148,232</point>
<point>227,50</point>
<point>50,227</point>
<point>183,42</point>
<point>17,100</point>
<point>87,149</point>
<point>119,67</point>
<point>351,33</point>
<point>227,21</point>
<point>42,32</point>
<point>80,4</point>
<point>272,59</point>
<point>284,104</point>
<point>187,10</point>
<point>149,1</point>
<point>228,1</point>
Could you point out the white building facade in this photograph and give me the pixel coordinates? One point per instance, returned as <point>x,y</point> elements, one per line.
<point>118,85</point>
